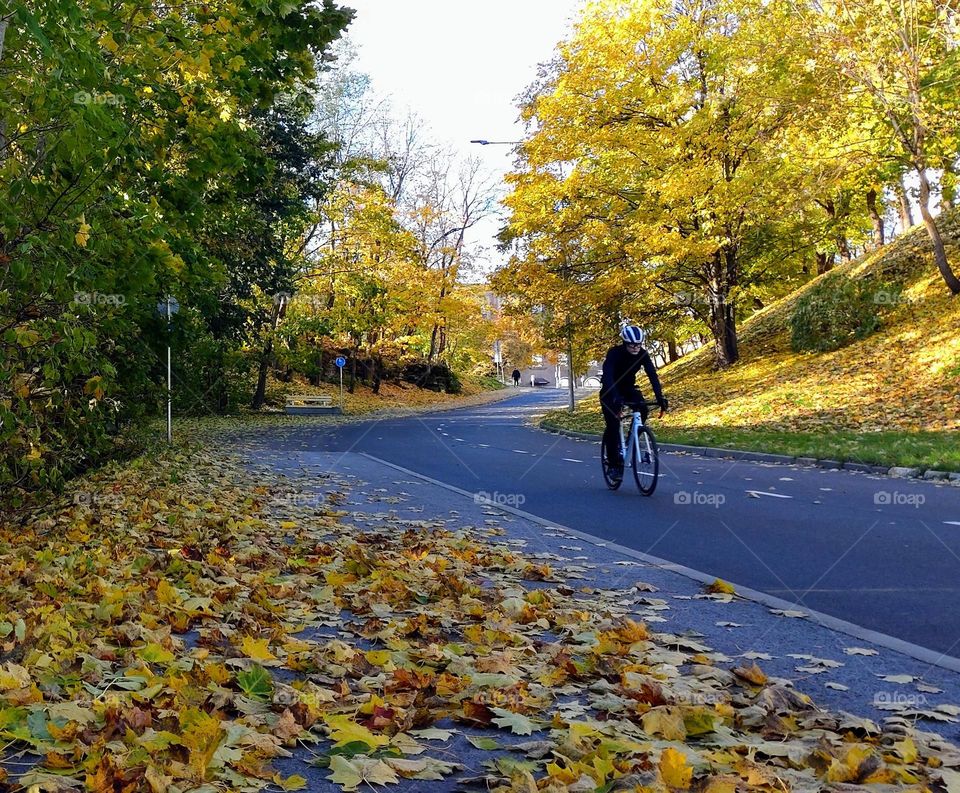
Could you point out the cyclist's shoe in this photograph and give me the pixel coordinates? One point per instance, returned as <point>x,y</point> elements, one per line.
<point>616,473</point>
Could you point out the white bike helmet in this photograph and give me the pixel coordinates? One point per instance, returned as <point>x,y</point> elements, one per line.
<point>632,334</point>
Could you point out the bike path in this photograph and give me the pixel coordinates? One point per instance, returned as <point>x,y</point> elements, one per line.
<point>878,552</point>
<point>814,659</point>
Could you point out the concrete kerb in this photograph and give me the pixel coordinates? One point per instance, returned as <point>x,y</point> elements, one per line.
<point>779,459</point>
<point>923,654</point>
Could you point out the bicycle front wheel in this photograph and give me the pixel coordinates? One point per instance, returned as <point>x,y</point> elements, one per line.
<point>612,482</point>
<point>645,460</point>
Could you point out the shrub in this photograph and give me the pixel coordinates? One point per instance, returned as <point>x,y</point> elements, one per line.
<point>435,377</point>
<point>839,311</point>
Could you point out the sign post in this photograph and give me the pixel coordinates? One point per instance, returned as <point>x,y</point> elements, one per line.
<point>341,362</point>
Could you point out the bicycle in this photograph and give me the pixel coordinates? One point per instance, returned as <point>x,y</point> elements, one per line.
<point>644,458</point>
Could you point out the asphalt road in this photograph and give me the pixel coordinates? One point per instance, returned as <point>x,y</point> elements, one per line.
<point>881,553</point>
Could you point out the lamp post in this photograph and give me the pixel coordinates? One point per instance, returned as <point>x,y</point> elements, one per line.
<point>170,306</point>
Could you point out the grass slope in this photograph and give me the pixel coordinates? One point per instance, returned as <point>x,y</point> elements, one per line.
<point>891,398</point>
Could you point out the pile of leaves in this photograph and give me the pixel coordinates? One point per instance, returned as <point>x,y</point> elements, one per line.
<point>184,623</point>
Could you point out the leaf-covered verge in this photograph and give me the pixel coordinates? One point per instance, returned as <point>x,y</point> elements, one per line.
<point>391,395</point>
<point>393,400</point>
<point>181,623</point>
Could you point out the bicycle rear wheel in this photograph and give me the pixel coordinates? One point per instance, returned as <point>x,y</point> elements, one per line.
<point>645,460</point>
<point>612,483</point>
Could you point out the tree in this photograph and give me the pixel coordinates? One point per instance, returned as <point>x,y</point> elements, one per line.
<point>657,141</point>
<point>903,55</point>
<point>128,143</point>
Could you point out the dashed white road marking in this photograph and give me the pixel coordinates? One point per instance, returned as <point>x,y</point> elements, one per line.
<point>484,445</point>
<point>572,460</point>
<point>952,522</point>
<point>521,451</point>
<point>758,493</point>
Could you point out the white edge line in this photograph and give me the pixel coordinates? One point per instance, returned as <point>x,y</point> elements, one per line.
<point>923,654</point>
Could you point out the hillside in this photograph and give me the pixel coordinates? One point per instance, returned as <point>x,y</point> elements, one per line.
<point>904,378</point>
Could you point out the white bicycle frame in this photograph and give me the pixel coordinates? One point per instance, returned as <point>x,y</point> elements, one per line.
<point>626,449</point>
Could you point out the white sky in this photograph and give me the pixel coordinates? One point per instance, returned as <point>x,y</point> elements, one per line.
<point>459,65</point>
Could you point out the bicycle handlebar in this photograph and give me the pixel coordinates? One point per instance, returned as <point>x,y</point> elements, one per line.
<point>636,407</point>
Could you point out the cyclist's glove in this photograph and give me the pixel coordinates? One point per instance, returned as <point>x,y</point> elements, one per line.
<point>662,402</point>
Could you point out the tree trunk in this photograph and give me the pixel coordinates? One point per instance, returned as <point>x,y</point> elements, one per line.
<point>377,373</point>
<point>442,342</point>
<point>844,247</point>
<point>673,354</point>
<point>260,395</point>
<point>939,253</point>
<point>906,213</point>
<point>876,219</point>
<point>353,369</point>
<point>835,215</point>
<point>722,321</point>
<point>824,262</point>
<point>433,343</point>
<point>723,325</point>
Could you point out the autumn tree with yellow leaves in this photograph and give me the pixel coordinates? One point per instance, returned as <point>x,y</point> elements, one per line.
<point>681,159</point>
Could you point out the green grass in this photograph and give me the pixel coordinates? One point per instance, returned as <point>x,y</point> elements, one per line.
<point>924,450</point>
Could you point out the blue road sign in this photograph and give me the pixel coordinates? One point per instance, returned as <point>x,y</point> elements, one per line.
<point>341,361</point>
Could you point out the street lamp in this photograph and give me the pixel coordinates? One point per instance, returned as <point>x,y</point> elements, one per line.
<point>170,306</point>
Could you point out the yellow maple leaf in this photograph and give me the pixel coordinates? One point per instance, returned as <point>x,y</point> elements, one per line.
<point>344,730</point>
<point>201,735</point>
<point>907,749</point>
<point>665,722</point>
<point>854,766</point>
<point>295,782</point>
<point>166,593</point>
<point>674,770</point>
<point>257,649</point>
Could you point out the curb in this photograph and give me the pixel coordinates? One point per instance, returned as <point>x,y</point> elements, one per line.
<point>896,472</point>
<point>884,640</point>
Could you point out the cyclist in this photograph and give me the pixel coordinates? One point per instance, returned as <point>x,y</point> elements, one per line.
<point>618,387</point>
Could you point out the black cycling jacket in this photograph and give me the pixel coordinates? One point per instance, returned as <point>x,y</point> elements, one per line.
<point>619,381</point>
